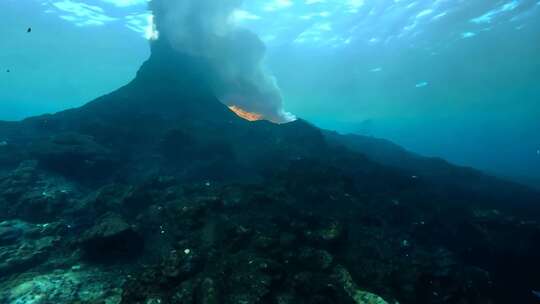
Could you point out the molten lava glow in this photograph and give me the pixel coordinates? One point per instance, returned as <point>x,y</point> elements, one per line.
<point>245,114</point>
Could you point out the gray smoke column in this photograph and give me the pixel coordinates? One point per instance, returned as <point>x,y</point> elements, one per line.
<point>205,28</point>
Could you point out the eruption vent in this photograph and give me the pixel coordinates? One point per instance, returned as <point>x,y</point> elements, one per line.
<point>207,29</point>
<point>245,114</point>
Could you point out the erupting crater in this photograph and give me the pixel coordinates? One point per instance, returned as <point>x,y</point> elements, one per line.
<point>245,114</point>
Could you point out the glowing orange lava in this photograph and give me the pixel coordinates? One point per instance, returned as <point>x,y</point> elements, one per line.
<point>245,114</point>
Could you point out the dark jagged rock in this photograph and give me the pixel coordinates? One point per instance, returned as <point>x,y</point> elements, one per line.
<point>111,239</point>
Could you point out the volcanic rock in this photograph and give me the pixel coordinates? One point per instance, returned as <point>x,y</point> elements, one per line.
<point>111,239</point>
<point>74,155</point>
<point>23,246</point>
<point>63,286</point>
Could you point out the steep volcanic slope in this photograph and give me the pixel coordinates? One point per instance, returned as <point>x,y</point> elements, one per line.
<point>231,211</point>
<point>450,179</point>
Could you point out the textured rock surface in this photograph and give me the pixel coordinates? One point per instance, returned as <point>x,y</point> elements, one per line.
<point>73,155</point>
<point>24,246</point>
<point>34,195</point>
<point>62,286</point>
<point>111,238</point>
<point>343,277</point>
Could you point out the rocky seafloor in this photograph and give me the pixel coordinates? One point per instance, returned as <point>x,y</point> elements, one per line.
<point>163,241</point>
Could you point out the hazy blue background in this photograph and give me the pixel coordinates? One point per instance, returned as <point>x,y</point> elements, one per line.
<point>455,79</point>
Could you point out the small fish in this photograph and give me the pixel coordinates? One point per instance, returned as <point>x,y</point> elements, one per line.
<point>467,35</point>
<point>536,293</point>
<point>29,30</point>
<point>8,71</point>
<point>421,84</point>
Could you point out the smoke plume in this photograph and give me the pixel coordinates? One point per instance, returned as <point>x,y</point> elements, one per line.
<point>205,28</point>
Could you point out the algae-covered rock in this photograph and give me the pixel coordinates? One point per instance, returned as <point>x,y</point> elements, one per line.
<point>24,255</point>
<point>344,279</point>
<point>330,232</point>
<point>23,246</point>
<point>11,231</point>
<point>61,286</point>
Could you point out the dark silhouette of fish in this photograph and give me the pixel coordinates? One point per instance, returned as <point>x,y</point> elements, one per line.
<point>29,30</point>
<point>7,71</point>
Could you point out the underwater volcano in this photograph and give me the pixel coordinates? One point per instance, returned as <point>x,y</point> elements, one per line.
<point>159,193</point>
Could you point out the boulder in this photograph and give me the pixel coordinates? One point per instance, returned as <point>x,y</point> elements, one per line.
<point>111,239</point>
